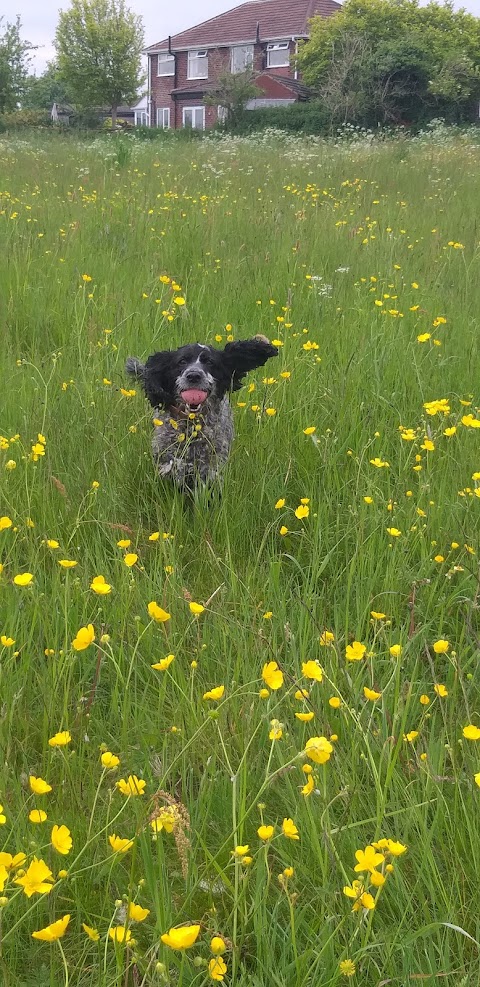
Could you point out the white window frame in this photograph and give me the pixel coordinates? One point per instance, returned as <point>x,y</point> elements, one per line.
<point>163,117</point>
<point>222,114</point>
<point>166,61</point>
<point>200,56</point>
<point>141,118</point>
<point>193,110</point>
<point>248,57</point>
<point>275,47</point>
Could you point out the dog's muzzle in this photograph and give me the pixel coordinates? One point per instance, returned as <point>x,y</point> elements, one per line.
<point>193,389</point>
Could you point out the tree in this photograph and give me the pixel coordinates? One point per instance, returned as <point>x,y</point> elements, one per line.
<point>14,57</point>
<point>413,62</point>
<point>232,91</point>
<point>99,45</point>
<point>41,91</point>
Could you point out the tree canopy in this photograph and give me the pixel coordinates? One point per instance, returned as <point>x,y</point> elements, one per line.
<point>392,61</point>
<point>41,91</point>
<point>99,45</point>
<point>14,57</point>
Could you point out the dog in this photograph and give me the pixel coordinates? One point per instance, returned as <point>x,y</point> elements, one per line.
<point>188,388</point>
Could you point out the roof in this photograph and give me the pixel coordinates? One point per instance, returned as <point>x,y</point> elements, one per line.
<point>276,19</point>
<point>200,87</point>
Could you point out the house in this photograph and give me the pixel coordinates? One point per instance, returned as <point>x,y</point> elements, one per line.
<point>261,34</point>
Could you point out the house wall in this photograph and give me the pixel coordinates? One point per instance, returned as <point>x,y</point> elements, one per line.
<point>219,60</point>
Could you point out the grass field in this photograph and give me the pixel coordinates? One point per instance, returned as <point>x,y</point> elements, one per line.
<point>344,549</point>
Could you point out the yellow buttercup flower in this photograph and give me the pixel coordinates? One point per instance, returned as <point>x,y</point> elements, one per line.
<point>39,786</point>
<point>471,732</point>
<point>54,931</point>
<point>84,637</point>
<point>195,608</point>
<point>272,675</point>
<point>215,693</point>
<point>61,839</point>
<point>130,559</point>
<point>217,968</point>
<point>121,935</point>
<point>162,665</point>
<point>109,760</point>
<point>38,878</point>
<point>311,670</point>
<point>136,913</point>
<point>157,613</point>
<point>118,844</point>
<point>60,739</point>
<point>289,829</point>
<point>371,694</point>
<point>355,651</point>
<point>318,749</point>
<point>181,938</point>
<point>265,832</point>
<point>23,579</point>
<point>133,785</point>
<point>100,586</point>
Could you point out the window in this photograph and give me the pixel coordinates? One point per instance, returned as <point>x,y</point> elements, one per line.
<point>194,116</point>
<point>198,64</point>
<point>242,58</point>
<point>141,118</point>
<point>163,117</point>
<point>278,55</point>
<point>222,114</point>
<point>166,64</point>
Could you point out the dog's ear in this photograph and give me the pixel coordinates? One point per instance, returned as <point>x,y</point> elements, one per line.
<point>245,355</point>
<point>153,377</point>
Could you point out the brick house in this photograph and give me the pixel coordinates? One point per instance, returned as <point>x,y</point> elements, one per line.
<point>261,34</point>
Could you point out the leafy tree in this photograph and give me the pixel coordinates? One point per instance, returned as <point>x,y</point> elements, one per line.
<point>232,91</point>
<point>99,45</point>
<point>392,60</point>
<point>41,91</point>
<point>14,56</point>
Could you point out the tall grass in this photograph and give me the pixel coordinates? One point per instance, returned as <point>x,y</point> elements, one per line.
<point>346,255</point>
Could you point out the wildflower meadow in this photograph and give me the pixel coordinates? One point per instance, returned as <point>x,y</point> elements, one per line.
<point>241,737</point>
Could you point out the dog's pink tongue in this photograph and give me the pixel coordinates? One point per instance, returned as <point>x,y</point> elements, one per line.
<point>193,396</point>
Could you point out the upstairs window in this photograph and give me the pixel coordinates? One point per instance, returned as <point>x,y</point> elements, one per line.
<point>198,64</point>
<point>242,58</point>
<point>166,64</point>
<point>278,55</point>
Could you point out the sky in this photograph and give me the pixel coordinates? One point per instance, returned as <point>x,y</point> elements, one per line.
<point>39,20</point>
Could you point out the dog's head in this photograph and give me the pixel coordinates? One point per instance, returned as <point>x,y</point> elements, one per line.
<point>189,377</point>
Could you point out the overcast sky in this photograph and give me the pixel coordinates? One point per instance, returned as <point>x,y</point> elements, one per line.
<point>39,20</point>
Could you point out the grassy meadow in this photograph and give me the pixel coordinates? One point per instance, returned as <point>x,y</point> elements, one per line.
<point>250,753</point>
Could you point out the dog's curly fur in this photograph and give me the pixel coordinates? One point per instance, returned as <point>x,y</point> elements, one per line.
<point>188,388</point>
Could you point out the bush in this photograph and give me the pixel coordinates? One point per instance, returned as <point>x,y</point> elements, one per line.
<point>24,118</point>
<point>297,118</point>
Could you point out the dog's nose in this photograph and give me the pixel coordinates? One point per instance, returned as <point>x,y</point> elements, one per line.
<point>194,376</point>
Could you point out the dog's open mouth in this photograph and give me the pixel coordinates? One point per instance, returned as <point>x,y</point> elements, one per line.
<point>194,398</point>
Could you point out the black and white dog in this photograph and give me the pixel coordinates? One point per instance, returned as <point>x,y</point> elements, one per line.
<point>189,390</point>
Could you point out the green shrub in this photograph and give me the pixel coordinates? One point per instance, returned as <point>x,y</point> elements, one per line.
<point>24,118</point>
<point>297,118</point>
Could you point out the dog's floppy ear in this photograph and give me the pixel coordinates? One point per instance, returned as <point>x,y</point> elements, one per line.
<point>153,376</point>
<point>245,355</point>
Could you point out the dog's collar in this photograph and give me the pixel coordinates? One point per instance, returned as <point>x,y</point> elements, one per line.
<point>181,413</point>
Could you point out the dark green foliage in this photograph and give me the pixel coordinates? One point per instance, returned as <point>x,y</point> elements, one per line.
<point>13,65</point>
<point>392,61</point>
